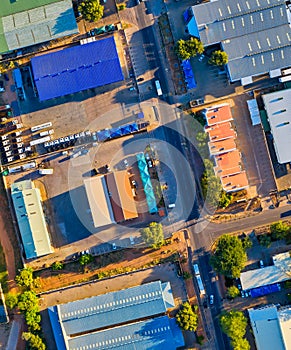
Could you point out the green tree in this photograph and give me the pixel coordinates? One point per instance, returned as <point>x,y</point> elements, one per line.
<point>153,235</point>
<point>57,265</point>
<point>25,278</point>
<point>11,300</point>
<point>85,259</point>
<point>233,324</point>
<point>35,342</point>
<point>279,230</point>
<point>186,49</point>
<point>265,240</point>
<point>218,58</point>
<point>187,318</point>
<point>91,10</point>
<point>182,50</point>
<point>28,301</point>
<point>187,275</point>
<point>225,199</point>
<point>240,344</point>
<point>33,319</point>
<point>233,292</point>
<point>229,257</point>
<point>247,243</point>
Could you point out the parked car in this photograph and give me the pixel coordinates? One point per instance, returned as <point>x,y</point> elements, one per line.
<point>261,263</point>
<point>211,299</point>
<point>131,239</point>
<point>114,246</point>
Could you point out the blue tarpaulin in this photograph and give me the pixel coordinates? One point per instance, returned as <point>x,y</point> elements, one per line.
<point>115,132</point>
<point>189,75</point>
<point>186,16</point>
<point>272,288</point>
<point>103,135</point>
<point>76,68</point>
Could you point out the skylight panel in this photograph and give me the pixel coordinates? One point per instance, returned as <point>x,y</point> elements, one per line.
<point>259,44</point>
<point>268,42</point>
<point>262,17</point>
<point>252,20</point>
<point>220,12</point>
<point>232,24</point>
<point>238,6</point>
<point>223,25</point>
<point>282,54</point>
<point>288,36</point>
<point>272,57</point>
<point>242,22</point>
<point>258,3</point>
<point>253,61</point>
<point>262,58</point>
<point>271,13</point>
<point>278,39</point>
<point>248,5</point>
<point>229,10</point>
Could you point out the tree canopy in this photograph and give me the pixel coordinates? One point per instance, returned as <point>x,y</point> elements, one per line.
<point>212,188</point>
<point>186,49</point>
<point>91,10</point>
<point>153,235</point>
<point>85,259</point>
<point>233,292</point>
<point>229,257</point>
<point>25,277</point>
<point>35,342</point>
<point>187,318</point>
<point>218,58</point>
<point>233,324</point>
<point>279,230</point>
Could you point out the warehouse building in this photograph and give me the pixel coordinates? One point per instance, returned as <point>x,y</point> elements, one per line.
<point>76,68</point>
<point>278,108</point>
<point>25,23</point>
<point>132,318</point>
<point>271,327</point>
<point>30,218</point>
<point>256,35</point>
<point>110,198</point>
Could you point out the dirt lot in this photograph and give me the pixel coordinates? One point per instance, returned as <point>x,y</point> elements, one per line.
<point>111,264</point>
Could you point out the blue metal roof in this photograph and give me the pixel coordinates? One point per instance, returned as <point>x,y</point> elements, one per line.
<point>146,182</point>
<point>160,333</point>
<point>115,308</point>
<point>56,327</point>
<point>77,68</point>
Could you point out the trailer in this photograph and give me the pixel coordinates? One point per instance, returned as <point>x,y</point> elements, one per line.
<point>46,171</point>
<point>41,126</point>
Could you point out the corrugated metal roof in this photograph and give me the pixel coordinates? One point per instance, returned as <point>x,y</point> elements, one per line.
<point>121,195</point>
<point>76,68</point>
<point>254,33</point>
<point>99,201</point>
<point>34,25</point>
<point>266,328</point>
<point>113,308</point>
<point>156,334</point>
<point>30,218</point>
<point>278,108</point>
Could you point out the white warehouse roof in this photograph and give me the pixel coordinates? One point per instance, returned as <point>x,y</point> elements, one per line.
<point>278,108</point>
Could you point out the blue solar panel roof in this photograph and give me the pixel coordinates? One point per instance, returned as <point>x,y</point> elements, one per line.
<point>115,308</point>
<point>77,68</point>
<point>160,333</point>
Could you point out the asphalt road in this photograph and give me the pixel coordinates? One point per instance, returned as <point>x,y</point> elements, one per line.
<point>204,233</point>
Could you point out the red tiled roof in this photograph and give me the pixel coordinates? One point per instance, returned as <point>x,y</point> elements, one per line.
<point>222,146</point>
<point>220,131</point>
<point>218,114</point>
<point>235,182</point>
